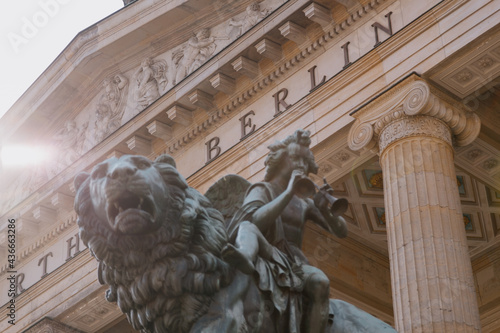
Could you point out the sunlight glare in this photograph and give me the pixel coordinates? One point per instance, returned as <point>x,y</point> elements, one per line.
<point>19,155</point>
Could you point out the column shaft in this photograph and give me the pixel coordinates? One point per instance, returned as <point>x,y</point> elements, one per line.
<point>432,282</point>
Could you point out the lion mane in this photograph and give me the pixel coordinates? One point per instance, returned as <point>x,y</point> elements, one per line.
<point>163,277</point>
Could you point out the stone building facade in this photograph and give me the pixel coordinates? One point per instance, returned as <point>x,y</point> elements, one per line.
<point>401,98</point>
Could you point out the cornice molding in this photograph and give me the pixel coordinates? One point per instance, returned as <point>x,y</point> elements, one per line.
<point>86,43</point>
<point>411,97</point>
<point>47,325</point>
<point>34,247</point>
<point>83,258</point>
<point>264,82</point>
<point>184,137</point>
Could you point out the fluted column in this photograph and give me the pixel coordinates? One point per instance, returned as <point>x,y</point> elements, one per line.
<point>415,128</point>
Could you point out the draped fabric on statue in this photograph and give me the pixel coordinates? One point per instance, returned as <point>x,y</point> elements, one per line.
<point>282,276</point>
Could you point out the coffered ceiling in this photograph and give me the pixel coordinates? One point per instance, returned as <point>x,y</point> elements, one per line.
<point>472,76</point>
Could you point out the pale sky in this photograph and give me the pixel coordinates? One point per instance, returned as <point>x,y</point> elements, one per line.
<point>34,32</point>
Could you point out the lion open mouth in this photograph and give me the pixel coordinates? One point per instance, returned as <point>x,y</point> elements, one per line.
<point>131,213</point>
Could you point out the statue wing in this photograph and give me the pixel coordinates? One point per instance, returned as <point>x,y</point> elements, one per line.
<point>227,195</point>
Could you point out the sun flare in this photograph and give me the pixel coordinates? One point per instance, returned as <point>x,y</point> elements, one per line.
<point>22,155</point>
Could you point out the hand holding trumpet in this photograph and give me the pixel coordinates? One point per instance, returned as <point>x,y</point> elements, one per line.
<point>322,196</point>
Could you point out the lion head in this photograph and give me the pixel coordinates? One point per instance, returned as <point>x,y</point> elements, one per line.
<point>157,241</point>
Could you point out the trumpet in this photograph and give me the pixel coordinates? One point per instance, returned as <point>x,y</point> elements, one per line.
<point>322,196</point>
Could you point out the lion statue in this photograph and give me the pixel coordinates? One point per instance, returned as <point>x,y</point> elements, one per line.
<point>158,243</point>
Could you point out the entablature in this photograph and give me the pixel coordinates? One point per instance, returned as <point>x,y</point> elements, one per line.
<point>192,102</point>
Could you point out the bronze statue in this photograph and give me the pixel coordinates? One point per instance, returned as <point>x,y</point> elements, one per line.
<point>164,252</point>
<point>268,229</point>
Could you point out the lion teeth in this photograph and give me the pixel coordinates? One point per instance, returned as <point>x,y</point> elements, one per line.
<point>120,209</point>
<point>139,206</point>
<point>116,205</point>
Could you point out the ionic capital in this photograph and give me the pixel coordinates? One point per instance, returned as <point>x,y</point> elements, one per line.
<point>409,103</point>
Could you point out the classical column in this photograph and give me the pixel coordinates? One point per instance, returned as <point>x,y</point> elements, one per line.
<point>415,127</point>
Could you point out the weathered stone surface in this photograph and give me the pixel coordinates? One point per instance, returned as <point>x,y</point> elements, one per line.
<point>432,281</point>
<point>47,325</point>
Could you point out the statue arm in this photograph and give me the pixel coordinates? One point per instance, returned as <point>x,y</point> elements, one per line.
<point>234,23</point>
<point>205,42</point>
<point>137,75</point>
<point>265,216</point>
<point>147,74</point>
<point>334,224</point>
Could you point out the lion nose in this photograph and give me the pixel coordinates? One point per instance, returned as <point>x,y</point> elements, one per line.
<point>123,172</point>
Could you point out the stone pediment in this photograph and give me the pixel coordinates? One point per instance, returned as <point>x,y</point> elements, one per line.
<point>108,48</point>
<point>112,71</point>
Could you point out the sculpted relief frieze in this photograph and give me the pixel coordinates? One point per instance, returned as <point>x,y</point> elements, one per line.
<point>64,148</point>
<point>110,108</point>
<point>149,79</point>
<point>124,95</point>
<point>241,23</point>
<point>198,49</point>
<point>69,142</point>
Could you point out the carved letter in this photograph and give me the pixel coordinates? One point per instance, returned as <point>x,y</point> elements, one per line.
<point>345,47</point>
<point>312,71</point>
<point>19,280</point>
<point>280,101</point>
<point>75,246</point>
<point>245,124</point>
<point>213,144</point>
<point>44,261</point>
<point>387,30</point>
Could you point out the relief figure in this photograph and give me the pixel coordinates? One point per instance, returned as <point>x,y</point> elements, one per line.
<point>111,106</point>
<point>69,142</point>
<point>150,78</point>
<point>254,14</point>
<point>197,50</point>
